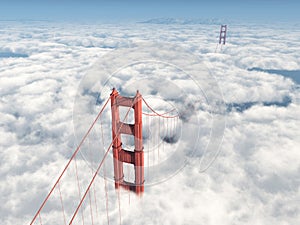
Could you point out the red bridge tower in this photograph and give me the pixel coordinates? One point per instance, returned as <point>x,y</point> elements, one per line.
<point>121,155</point>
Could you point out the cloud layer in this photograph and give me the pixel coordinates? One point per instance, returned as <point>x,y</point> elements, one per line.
<point>254,180</point>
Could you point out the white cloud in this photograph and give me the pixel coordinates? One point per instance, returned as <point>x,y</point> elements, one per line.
<point>255,179</point>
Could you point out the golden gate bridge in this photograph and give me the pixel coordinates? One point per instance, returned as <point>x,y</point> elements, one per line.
<point>75,196</point>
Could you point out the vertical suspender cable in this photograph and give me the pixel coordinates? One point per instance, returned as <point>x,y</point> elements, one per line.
<point>62,205</point>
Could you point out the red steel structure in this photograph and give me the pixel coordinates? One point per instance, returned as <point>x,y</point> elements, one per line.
<point>121,155</point>
<point>222,38</point>
<point>81,206</point>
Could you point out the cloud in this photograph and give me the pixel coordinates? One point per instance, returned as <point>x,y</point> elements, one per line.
<point>254,179</point>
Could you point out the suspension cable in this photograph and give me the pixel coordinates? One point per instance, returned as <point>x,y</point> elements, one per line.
<point>70,160</point>
<point>98,169</point>
<point>157,114</point>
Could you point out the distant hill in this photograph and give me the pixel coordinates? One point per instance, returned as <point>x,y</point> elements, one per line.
<point>213,21</point>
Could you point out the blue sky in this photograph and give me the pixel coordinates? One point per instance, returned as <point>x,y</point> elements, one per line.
<point>255,10</point>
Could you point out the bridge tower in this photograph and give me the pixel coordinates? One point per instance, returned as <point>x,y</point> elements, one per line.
<point>121,155</point>
<point>222,37</point>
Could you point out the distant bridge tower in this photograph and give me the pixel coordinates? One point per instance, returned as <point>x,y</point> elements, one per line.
<point>121,155</point>
<point>222,38</point>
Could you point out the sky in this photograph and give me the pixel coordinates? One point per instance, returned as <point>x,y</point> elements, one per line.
<point>116,10</point>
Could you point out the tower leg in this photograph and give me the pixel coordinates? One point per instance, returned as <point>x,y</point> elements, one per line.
<point>138,141</point>
<point>117,144</point>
